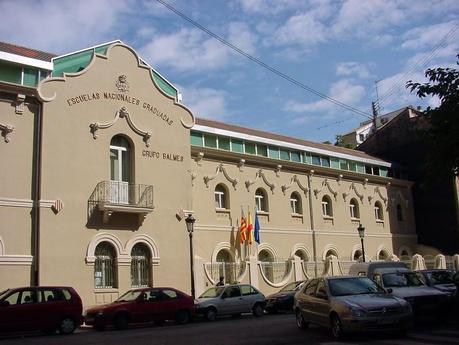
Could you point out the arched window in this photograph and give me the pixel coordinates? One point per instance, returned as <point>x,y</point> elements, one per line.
<point>140,266</point>
<point>399,213</point>
<point>357,255</point>
<point>295,203</point>
<point>221,197</point>
<point>378,211</point>
<point>261,200</point>
<point>327,209</point>
<point>331,252</point>
<point>120,169</point>
<point>105,266</point>
<point>302,255</point>
<point>225,266</point>
<point>354,209</point>
<point>383,255</point>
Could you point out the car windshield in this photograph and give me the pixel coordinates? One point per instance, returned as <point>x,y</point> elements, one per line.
<point>213,292</point>
<point>401,279</point>
<point>129,296</point>
<point>353,286</point>
<point>3,293</point>
<point>290,287</point>
<point>440,277</point>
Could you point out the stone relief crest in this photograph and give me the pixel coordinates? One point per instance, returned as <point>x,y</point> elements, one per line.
<point>122,83</point>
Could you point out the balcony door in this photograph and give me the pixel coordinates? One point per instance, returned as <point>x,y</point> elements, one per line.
<point>120,170</point>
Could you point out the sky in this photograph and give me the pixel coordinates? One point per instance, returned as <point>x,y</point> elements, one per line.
<point>353,51</point>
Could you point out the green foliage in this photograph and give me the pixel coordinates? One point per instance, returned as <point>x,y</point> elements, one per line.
<point>443,135</point>
<point>340,142</point>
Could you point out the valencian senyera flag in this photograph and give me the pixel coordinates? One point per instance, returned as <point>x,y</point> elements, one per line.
<point>249,229</point>
<point>243,228</point>
<point>256,231</point>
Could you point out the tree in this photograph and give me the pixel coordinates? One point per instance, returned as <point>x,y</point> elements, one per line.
<point>442,136</point>
<point>340,142</point>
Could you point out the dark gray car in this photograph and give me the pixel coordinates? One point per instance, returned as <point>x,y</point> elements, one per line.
<point>349,304</point>
<point>230,300</point>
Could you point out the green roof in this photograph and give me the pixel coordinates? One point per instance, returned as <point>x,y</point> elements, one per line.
<point>78,61</point>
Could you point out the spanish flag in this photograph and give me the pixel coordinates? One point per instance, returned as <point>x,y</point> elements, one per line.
<point>249,229</point>
<point>243,228</point>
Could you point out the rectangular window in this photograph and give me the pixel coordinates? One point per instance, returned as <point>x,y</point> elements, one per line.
<point>325,162</point>
<point>219,196</point>
<point>262,150</point>
<point>223,143</point>
<point>250,148</point>
<point>368,169</point>
<point>196,138</point>
<point>285,155</point>
<point>360,168</point>
<point>210,140</point>
<point>383,172</point>
<point>334,163</point>
<point>307,158</point>
<point>315,160</point>
<point>295,156</point>
<point>237,145</point>
<point>273,152</point>
<point>343,164</point>
<point>376,170</point>
<point>30,77</point>
<point>352,166</point>
<point>293,205</point>
<point>10,73</point>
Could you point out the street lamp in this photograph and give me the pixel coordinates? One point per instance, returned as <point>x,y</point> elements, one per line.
<point>190,228</point>
<point>361,230</point>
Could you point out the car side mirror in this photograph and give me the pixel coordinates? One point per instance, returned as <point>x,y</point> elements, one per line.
<point>389,290</point>
<point>4,303</point>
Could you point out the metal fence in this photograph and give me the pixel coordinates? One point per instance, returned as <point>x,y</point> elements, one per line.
<point>276,272</point>
<point>122,193</point>
<point>230,271</point>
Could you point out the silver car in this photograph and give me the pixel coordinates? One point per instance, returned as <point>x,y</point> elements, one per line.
<point>230,300</point>
<point>347,304</point>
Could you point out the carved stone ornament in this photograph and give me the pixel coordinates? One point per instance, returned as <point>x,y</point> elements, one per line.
<point>221,169</point>
<point>326,183</point>
<point>241,164</point>
<point>19,104</point>
<point>199,158</point>
<point>6,131</point>
<point>378,191</point>
<point>122,84</point>
<point>297,180</point>
<point>259,174</point>
<point>278,169</point>
<point>122,113</point>
<point>352,187</point>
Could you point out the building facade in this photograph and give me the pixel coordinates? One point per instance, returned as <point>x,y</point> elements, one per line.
<point>102,162</point>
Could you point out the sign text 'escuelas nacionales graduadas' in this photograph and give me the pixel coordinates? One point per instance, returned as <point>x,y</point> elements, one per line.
<point>96,96</point>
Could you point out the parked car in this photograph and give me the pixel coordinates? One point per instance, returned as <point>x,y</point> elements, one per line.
<point>142,305</point>
<point>230,300</point>
<point>441,279</point>
<point>349,304</point>
<point>44,308</point>
<point>404,283</point>
<point>282,301</point>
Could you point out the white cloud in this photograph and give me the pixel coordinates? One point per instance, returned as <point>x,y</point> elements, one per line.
<point>352,69</point>
<point>193,50</point>
<point>343,90</point>
<point>429,36</point>
<point>205,102</point>
<point>303,29</point>
<point>61,26</point>
<point>267,6</point>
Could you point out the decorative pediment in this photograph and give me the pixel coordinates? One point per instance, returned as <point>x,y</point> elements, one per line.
<point>326,184</point>
<point>259,174</point>
<point>352,187</point>
<point>221,169</point>
<point>6,131</point>
<point>297,180</point>
<point>378,191</point>
<point>122,113</point>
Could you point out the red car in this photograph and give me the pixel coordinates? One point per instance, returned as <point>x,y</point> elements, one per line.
<point>143,305</point>
<point>45,308</point>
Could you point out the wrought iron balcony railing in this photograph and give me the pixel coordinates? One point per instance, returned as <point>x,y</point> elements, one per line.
<point>122,194</point>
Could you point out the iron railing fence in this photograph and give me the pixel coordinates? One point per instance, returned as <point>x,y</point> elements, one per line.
<point>231,271</point>
<point>276,272</point>
<point>122,193</point>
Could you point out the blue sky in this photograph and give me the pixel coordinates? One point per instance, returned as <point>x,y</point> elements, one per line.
<point>339,48</point>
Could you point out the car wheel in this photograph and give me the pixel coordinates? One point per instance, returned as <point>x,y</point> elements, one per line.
<point>121,322</point>
<point>300,323</point>
<point>258,310</point>
<point>336,327</point>
<point>182,317</point>
<point>211,314</point>
<point>67,326</point>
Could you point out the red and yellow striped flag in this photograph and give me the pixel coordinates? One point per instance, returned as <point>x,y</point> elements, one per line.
<point>243,228</point>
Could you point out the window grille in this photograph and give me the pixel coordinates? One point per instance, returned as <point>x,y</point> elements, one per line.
<point>140,266</point>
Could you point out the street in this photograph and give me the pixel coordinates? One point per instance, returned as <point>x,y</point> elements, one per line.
<point>267,330</point>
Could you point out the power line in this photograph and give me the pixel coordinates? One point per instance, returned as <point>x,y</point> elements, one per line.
<point>263,64</point>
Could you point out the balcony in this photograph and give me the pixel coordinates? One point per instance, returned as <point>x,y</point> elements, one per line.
<point>111,197</point>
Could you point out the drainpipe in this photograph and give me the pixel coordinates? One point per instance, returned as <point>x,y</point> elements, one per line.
<point>311,215</point>
<point>37,198</point>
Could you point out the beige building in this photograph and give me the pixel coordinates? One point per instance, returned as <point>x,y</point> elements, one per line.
<point>101,162</point>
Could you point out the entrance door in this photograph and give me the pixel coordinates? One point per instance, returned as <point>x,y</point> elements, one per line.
<point>120,170</point>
